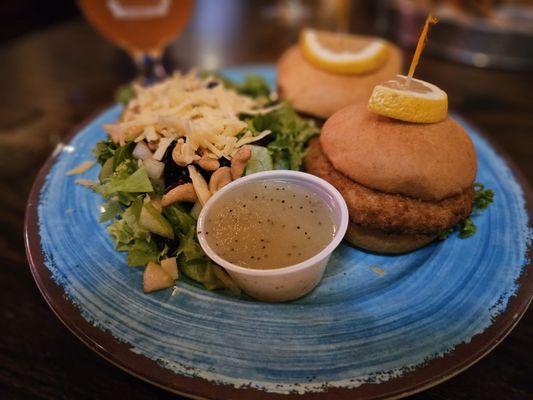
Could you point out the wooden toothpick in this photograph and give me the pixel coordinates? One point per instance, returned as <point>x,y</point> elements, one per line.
<point>420,45</point>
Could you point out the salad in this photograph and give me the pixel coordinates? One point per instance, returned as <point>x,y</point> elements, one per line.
<point>176,143</point>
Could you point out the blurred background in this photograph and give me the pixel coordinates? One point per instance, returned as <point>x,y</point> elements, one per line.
<point>478,32</point>
<point>57,69</point>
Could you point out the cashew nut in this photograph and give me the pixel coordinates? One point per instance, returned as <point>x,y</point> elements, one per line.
<point>152,145</point>
<point>207,163</point>
<point>178,156</point>
<point>220,178</point>
<point>183,192</point>
<point>239,161</point>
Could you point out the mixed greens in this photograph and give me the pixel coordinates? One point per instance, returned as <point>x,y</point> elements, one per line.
<point>151,233</point>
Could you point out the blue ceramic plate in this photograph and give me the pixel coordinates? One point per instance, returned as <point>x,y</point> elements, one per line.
<point>375,327</point>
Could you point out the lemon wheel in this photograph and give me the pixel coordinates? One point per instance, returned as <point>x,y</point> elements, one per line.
<point>341,53</point>
<point>411,100</point>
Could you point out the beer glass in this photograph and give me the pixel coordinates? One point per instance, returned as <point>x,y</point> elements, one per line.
<point>141,27</point>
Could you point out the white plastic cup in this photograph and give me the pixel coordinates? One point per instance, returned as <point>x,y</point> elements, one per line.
<point>293,281</point>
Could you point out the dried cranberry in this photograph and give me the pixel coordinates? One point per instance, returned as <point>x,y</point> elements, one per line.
<point>173,174</point>
<point>224,162</point>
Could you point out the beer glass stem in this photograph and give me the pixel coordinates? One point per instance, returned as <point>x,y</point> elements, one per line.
<point>150,68</point>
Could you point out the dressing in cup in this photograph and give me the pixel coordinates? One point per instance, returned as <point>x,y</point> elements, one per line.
<point>273,232</point>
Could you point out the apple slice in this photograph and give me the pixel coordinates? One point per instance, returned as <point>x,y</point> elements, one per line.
<point>152,220</point>
<point>155,278</point>
<point>170,265</point>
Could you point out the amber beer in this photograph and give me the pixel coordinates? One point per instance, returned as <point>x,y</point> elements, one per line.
<point>140,26</point>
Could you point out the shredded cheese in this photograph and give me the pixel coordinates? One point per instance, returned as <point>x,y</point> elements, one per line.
<point>86,182</point>
<point>162,148</point>
<point>183,106</point>
<point>84,166</point>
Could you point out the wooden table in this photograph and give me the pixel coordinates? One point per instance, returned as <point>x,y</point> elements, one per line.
<point>51,80</point>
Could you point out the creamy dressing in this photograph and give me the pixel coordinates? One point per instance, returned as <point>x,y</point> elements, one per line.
<point>269,224</point>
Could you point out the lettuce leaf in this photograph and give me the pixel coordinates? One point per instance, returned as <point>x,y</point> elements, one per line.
<point>261,160</point>
<point>290,134</point>
<point>180,219</point>
<point>141,252</point>
<point>111,209</point>
<point>129,236</point>
<point>104,150</point>
<point>124,181</point>
<point>189,248</point>
<point>124,94</point>
<point>138,182</point>
<point>253,85</point>
<point>121,178</point>
<point>123,154</point>
<point>121,233</point>
<point>201,270</point>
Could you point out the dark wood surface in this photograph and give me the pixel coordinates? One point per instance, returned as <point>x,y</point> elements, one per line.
<point>51,80</point>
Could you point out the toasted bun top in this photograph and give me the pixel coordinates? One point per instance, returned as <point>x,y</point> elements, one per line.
<point>314,91</point>
<point>423,161</point>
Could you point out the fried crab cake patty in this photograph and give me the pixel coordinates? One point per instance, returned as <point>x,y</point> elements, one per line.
<point>391,213</point>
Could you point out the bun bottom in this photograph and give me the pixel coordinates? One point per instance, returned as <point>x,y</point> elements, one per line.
<point>388,243</point>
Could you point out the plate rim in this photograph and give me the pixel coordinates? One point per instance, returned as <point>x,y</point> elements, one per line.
<point>102,342</point>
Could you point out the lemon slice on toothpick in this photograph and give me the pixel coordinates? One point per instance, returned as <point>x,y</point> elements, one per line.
<point>418,101</point>
<point>341,53</point>
<point>409,99</point>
